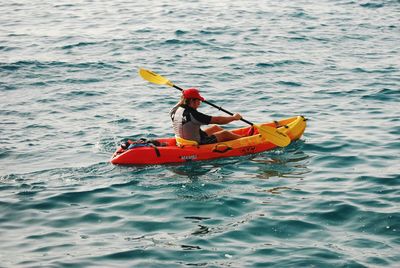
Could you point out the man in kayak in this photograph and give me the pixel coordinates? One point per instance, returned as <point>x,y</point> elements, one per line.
<point>187,120</point>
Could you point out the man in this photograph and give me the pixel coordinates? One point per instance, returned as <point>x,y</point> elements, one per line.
<point>187,120</point>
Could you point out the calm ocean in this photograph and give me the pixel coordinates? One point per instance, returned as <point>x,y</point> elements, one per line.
<point>70,92</point>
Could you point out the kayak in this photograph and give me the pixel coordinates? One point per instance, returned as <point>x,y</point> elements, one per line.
<point>177,150</point>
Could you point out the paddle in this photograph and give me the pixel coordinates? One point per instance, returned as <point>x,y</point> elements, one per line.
<point>271,134</point>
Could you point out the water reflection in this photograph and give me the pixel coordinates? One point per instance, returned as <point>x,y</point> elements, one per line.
<point>202,230</point>
<point>289,162</point>
<point>192,170</point>
<point>212,179</point>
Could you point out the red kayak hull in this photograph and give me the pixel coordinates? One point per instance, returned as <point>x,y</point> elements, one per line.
<point>169,152</point>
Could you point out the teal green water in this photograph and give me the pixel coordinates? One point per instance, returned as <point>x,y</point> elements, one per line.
<point>69,93</point>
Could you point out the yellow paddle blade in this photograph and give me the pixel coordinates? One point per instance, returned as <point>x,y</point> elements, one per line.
<point>154,78</point>
<point>273,135</point>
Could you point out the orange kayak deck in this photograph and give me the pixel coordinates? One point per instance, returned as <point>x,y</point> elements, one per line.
<point>169,152</point>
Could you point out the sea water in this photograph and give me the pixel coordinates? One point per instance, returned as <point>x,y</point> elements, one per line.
<point>70,92</point>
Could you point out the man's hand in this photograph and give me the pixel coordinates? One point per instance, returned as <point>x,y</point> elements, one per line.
<point>237,116</point>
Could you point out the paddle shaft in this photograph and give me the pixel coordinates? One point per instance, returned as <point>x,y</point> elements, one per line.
<point>219,108</point>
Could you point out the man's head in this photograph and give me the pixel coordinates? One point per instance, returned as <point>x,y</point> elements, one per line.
<point>192,97</point>
<point>192,93</point>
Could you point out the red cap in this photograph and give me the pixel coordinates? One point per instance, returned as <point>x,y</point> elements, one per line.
<point>192,93</point>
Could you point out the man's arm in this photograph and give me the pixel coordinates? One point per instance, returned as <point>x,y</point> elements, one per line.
<point>222,120</point>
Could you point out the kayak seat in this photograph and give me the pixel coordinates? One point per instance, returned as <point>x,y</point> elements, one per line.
<point>181,142</point>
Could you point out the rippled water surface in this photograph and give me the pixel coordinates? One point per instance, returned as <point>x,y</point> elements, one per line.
<point>69,93</point>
